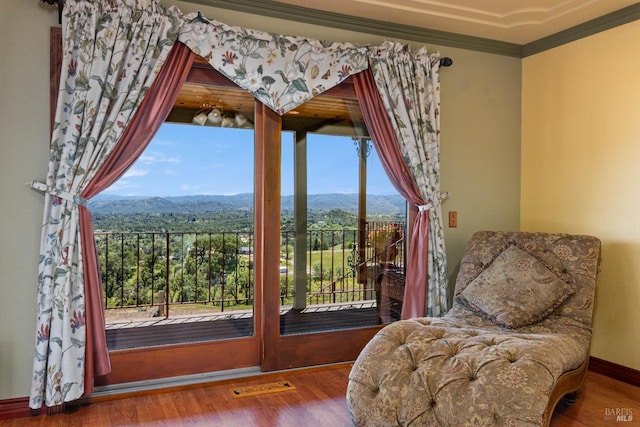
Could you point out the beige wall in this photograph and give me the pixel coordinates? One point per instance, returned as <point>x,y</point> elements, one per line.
<point>581,170</point>
<point>480,147</point>
<point>480,154</point>
<point>24,127</point>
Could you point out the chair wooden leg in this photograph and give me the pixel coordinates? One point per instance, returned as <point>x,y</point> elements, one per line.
<point>571,398</point>
<point>572,380</point>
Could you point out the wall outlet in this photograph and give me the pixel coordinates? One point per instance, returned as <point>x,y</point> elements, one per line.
<point>453,219</point>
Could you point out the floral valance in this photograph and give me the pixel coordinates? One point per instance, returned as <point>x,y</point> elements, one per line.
<point>281,71</point>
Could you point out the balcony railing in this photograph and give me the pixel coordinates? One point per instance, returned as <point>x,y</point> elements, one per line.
<point>155,274</point>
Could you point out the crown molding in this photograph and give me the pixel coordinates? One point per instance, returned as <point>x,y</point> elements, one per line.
<point>363,25</point>
<point>440,38</point>
<point>603,23</point>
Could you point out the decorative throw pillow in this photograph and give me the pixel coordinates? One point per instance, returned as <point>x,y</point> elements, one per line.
<point>515,290</point>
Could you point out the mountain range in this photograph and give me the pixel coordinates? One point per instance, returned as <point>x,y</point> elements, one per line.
<point>114,205</point>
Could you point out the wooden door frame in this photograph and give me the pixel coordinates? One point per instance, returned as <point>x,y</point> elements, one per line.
<point>266,348</point>
<point>287,351</point>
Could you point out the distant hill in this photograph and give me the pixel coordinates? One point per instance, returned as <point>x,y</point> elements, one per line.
<point>199,204</point>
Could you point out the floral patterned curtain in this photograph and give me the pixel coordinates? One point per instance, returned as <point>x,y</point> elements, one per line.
<point>281,71</point>
<point>409,86</point>
<point>112,52</point>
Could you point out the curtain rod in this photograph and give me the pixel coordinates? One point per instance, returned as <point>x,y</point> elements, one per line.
<point>445,61</point>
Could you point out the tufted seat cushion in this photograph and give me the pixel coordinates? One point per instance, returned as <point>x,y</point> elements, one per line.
<point>436,372</point>
<point>464,369</point>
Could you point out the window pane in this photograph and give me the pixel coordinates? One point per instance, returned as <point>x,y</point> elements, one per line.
<point>175,232</point>
<point>340,194</point>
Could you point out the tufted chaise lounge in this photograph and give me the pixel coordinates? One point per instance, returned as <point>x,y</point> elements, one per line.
<point>514,343</point>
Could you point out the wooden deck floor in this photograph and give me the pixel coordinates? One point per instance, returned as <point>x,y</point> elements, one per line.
<point>154,332</point>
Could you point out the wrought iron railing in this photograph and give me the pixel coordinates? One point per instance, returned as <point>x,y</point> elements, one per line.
<point>158,272</point>
<point>355,282</point>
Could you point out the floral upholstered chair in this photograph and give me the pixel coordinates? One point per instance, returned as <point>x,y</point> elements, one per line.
<point>514,343</point>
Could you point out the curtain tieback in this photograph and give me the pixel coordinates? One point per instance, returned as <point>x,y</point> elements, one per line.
<point>434,203</point>
<point>58,193</point>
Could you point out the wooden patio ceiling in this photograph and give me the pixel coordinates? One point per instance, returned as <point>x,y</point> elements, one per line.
<point>206,88</point>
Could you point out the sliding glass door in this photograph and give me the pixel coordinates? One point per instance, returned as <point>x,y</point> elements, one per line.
<point>291,224</point>
<point>335,203</point>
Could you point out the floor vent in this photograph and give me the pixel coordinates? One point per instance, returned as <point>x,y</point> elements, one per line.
<point>256,390</point>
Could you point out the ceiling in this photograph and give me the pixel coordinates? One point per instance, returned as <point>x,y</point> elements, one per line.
<point>513,21</point>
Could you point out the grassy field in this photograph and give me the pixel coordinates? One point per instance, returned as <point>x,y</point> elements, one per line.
<point>328,258</point>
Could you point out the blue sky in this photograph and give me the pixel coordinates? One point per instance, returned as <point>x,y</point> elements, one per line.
<point>185,160</point>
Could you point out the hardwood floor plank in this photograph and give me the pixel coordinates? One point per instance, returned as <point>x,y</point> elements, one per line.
<point>318,400</point>
<point>602,395</point>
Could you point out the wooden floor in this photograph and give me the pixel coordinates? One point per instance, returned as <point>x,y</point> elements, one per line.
<point>598,403</point>
<point>318,400</point>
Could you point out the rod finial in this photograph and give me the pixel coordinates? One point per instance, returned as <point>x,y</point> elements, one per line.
<point>446,61</point>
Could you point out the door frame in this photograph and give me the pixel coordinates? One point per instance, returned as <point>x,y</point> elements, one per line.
<point>287,351</point>
<point>266,348</point>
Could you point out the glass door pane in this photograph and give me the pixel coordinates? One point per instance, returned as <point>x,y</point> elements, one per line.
<point>332,202</point>
<point>176,233</point>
